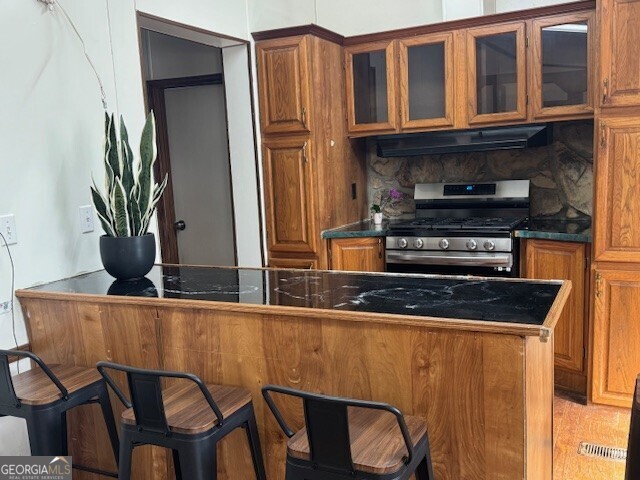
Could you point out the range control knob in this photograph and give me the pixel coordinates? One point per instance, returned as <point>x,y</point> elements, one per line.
<point>489,245</point>
<point>418,243</point>
<point>402,242</point>
<point>444,244</point>
<point>472,244</point>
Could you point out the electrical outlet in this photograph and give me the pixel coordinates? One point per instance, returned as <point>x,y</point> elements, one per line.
<point>86,219</point>
<point>5,307</point>
<point>8,229</point>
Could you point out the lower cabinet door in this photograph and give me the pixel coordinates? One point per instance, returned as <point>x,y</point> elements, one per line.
<point>554,260</point>
<point>616,335</point>
<point>364,254</point>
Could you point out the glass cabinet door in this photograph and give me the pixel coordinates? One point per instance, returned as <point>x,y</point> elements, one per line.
<point>561,57</point>
<point>426,81</point>
<point>497,78</point>
<point>371,89</point>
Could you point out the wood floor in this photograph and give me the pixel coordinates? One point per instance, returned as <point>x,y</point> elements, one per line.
<point>575,423</point>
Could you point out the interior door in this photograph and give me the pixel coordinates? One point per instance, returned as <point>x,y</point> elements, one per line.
<point>200,174</point>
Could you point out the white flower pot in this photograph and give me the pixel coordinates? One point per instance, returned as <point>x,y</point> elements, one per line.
<point>377,218</point>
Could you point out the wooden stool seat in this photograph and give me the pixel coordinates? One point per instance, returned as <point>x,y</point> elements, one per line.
<point>43,395</point>
<point>377,445</point>
<point>34,387</point>
<point>182,417</point>
<point>187,410</point>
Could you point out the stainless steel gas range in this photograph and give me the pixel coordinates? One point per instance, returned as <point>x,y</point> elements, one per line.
<point>461,229</point>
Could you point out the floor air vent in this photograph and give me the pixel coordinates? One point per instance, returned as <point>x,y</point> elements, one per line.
<point>600,451</point>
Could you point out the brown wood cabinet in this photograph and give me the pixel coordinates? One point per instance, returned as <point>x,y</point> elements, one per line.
<point>536,69</point>
<point>314,177</point>
<point>284,85</point>
<point>371,87</point>
<point>617,189</point>
<point>616,303</point>
<point>497,78</point>
<point>561,73</point>
<point>555,260</point>
<point>289,195</point>
<point>364,254</point>
<point>619,53</point>
<point>616,334</point>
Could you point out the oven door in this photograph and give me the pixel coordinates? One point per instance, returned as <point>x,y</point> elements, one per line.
<point>488,264</point>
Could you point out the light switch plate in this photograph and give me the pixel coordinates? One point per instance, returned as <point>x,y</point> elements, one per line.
<point>86,219</point>
<point>8,229</point>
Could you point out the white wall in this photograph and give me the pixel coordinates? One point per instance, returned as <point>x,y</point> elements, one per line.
<point>268,15</point>
<point>246,201</point>
<point>228,17</point>
<point>356,17</point>
<point>512,5</point>
<point>51,122</point>
<point>456,9</point>
<point>51,125</point>
<point>51,129</point>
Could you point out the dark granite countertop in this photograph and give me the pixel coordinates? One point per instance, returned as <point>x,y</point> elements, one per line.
<point>363,228</point>
<point>569,230</point>
<point>467,298</point>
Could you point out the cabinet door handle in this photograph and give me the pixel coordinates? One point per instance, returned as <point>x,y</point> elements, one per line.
<point>598,284</point>
<point>304,152</point>
<point>605,90</point>
<point>303,116</point>
<point>603,138</point>
<point>379,248</point>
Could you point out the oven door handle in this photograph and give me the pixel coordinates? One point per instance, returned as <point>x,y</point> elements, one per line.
<point>486,260</point>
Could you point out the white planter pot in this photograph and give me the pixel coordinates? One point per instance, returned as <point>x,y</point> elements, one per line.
<point>377,218</point>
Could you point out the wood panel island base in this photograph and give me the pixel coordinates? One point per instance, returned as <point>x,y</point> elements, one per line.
<point>473,356</point>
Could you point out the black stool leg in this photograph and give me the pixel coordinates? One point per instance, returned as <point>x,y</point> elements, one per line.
<point>125,455</point>
<point>47,433</point>
<point>424,470</point>
<point>198,461</point>
<point>254,445</point>
<point>107,413</point>
<point>176,464</point>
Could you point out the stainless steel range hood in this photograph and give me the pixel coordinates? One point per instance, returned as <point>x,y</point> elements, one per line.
<point>477,140</point>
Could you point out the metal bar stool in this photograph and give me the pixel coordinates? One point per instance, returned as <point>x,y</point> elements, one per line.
<point>42,396</point>
<point>347,439</point>
<point>183,417</point>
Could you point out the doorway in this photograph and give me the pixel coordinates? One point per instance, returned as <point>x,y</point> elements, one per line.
<point>185,88</point>
<point>196,219</point>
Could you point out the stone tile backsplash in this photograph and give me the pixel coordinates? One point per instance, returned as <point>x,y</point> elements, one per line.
<point>561,173</point>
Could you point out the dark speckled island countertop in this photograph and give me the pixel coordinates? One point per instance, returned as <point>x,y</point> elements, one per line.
<point>566,230</point>
<point>508,301</point>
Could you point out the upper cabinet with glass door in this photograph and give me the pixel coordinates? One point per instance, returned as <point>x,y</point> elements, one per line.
<point>371,88</point>
<point>497,84</point>
<point>426,81</point>
<point>561,78</point>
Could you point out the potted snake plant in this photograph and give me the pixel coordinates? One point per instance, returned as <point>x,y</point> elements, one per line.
<point>128,201</point>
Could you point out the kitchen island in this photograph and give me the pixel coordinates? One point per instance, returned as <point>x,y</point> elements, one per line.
<point>473,356</point>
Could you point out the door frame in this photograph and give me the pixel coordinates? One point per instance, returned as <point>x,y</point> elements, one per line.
<point>166,207</point>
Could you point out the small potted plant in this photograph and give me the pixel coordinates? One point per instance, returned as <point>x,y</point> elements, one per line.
<point>388,198</point>
<point>128,202</point>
